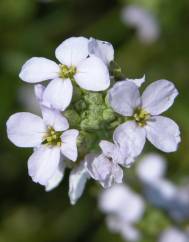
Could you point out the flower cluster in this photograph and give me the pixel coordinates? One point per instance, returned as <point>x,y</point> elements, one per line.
<point>94,120</point>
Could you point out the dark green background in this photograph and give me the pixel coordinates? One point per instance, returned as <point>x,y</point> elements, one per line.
<point>31,28</point>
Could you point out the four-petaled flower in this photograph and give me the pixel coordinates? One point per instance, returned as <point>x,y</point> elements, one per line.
<point>143,112</point>
<point>51,140</point>
<point>77,65</point>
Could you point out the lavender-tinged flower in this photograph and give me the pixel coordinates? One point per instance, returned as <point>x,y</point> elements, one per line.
<point>173,235</point>
<point>162,132</point>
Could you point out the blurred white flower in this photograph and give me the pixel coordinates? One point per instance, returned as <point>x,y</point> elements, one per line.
<point>162,132</point>
<point>88,71</point>
<point>147,26</point>
<point>51,140</point>
<point>123,208</point>
<point>173,235</point>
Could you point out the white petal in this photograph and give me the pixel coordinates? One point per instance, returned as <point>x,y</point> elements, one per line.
<point>173,234</point>
<point>99,167</point>
<point>39,69</point>
<point>55,180</point>
<point>159,96</point>
<point>43,163</point>
<point>55,119</point>
<point>58,93</point>
<point>72,51</point>
<point>39,90</point>
<point>25,129</point>
<point>124,97</point>
<point>92,74</point>
<point>117,173</point>
<point>102,49</point>
<point>138,81</point>
<point>151,168</point>
<point>69,144</point>
<point>77,181</point>
<point>163,133</point>
<point>107,148</point>
<point>131,137</point>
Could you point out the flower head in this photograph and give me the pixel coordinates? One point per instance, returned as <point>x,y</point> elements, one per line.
<point>77,64</point>
<point>143,112</point>
<point>51,140</point>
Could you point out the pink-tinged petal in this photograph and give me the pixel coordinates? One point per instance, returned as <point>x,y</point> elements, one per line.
<point>69,144</point>
<point>55,180</point>
<point>58,94</point>
<point>38,69</point>
<point>55,119</point>
<point>43,164</point>
<point>92,74</point>
<point>130,136</point>
<point>72,51</point>
<point>102,49</point>
<point>77,181</point>
<point>163,133</point>
<point>26,129</point>
<point>124,98</point>
<point>159,96</point>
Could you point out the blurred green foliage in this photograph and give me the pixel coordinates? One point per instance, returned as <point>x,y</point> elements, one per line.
<point>35,28</point>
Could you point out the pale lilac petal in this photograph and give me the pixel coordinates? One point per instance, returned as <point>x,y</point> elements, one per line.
<point>55,180</point>
<point>130,136</point>
<point>26,129</point>
<point>117,173</point>
<point>77,181</point>
<point>69,144</point>
<point>92,74</point>
<point>138,81</point>
<point>55,119</point>
<point>43,163</point>
<point>107,148</point>
<point>72,51</point>
<point>159,96</point>
<point>163,133</point>
<point>58,93</point>
<point>38,69</point>
<point>39,90</point>
<point>173,235</point>
<point>124,98</point>
<point>102,49</point>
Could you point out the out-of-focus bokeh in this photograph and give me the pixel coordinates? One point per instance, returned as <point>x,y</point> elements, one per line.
<point>150,37</point>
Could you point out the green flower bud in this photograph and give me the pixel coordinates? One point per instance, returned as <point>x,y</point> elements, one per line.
<point>89,124</point>
<point>80,105</point>
<point>108,115</point>
<point>73,117</point>
<point>116,71</point>
<point>93,98</point>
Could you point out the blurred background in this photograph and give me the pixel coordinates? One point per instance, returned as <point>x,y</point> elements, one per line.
<point>150,37</point>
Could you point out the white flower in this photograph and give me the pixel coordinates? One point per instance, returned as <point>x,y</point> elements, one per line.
<point>138,81</point>
<point>173,235</point>
<point>146,24</point>
<point>77,180</point>
<point>102,49</point>
<point>162,132</point>
<point>151,168</point>
<point>124,208</point>
<point>51,140</point>
<point>88,71</point>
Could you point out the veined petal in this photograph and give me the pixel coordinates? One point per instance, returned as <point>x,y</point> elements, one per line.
<point>124,98</point>
<point>38,69</point>
<point>130,136</point>
<point>26,129</point>
<point>55,119</point>
<point>55,180</point>
<point>72,51</point>
<point>159,96</point>
<point>163,133</point>
<point>102,49</point>
<point>69,144</point>
<point>43,163</point>
<point>77,180</point>
<point>58,93</point>
<point>92,74</point>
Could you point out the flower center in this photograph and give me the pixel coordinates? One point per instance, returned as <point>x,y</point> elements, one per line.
<point>141,116</point>
<point>67,72</point>
<point>53,137</point>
